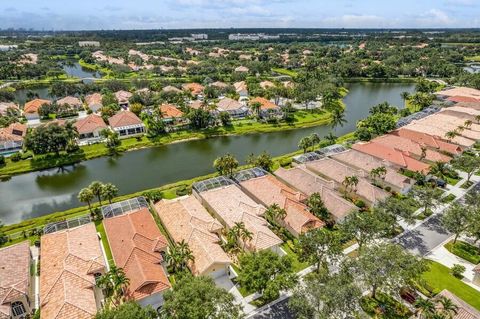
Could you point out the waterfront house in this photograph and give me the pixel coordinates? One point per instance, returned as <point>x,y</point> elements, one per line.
<point>137,247</point>
<point>122,98</point>
<point>6,106</point>
<point>126,124</point>
<point>90,127</point>
<point>94,102</point>
<point>16,282</point>
<point>267,108</point>
<point>194,88</point>
<point>171,114</point>
<point>30,109</point>
<point>72,260</point>
<point>70,102</point>
<point>219,85</point>
<point>307,182</point>
<point>234,108</point>
<point>11,137</point>
<point>268,190</point>
<point>242,89</point>
<point>185,219</point>
<point>230,205</point>
<point>430,141</point>
<point>171,89</point>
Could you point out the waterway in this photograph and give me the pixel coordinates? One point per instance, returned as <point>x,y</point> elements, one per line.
<point>39,193</point>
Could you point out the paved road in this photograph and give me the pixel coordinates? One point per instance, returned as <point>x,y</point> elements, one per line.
<point>279,310</point>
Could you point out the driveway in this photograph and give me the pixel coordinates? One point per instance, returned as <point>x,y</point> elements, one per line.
<point>278,310</point>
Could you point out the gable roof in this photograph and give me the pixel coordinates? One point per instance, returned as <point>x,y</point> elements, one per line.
<point>90,123</point>
<point>195,88</point>
<point>170,88</point>
<point>232,205</point>
<point>270,190</point>
<point>15,132</point>
<point>309,183</point>
<point>465,311</point>
<point>33,105</point>
<point>461,91</point>
<point>241,69</point>
<point>240,86</point>
<point>95,98</point>
<point>124,118</point>
<point>70,258</point>
<point>170,111</point>
<point>429,140</point>
<point>4,106</point>
<point>14,275</point>
<point>123,96</point>
<point>136,242</point>
<point>70,101</point>
<point>265,104</point>
<point>187,220</point>
<point>228,104</point>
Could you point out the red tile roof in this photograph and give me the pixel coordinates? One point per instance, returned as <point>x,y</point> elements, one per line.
<point>462,99</point>
<point>33,105</point>
<point>170,111</point>
<point>90,123</point>
<point>265,104</point>
<point>136,243</point>
<point>392,155</point>
<point>195,88</point>
<point>124,118</point>
<point>429,140</point>
<point>13,133</point>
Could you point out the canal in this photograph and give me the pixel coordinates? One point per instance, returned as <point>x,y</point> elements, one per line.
<point>39,193</point>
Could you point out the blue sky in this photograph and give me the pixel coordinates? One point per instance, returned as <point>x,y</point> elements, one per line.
<point>153,14</point>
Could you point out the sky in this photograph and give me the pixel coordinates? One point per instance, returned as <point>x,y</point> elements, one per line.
<point>183,14</point>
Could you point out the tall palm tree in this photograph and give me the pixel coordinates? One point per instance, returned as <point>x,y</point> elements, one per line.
<point>85,196</point>
<point>468,123</point>
<point>477,118</point>
<point>109,192</point>
<point>275,213</point>
<point>425,308</point>
<point>338,118</point>
<point>186,254</point>
<point>460,128</point>
<point>448,308</point>
<point>242,232</point>
<point>450,135</point>
<point>304,144</point>
<point>439,169</point>
<point>354,181</point>
<point>114,283</point>
<point>96,188</point>
<point>332,139</point>
<point>256,106</point>
<point>405,96</point>
<point>314,139</point>
<point>424,152</point>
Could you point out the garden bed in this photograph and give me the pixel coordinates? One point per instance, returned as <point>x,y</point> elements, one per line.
<point>465,251</point>
<point>384,306</point>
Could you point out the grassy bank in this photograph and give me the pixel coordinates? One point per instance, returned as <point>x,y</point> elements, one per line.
<point>303,119</point>
<point>380,80</point>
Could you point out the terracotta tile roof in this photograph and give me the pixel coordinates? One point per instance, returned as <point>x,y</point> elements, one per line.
<point>270,190</point>
<point>472,105</point>
<point>195,88</point>
<point>220,85</point>
<point>266,104</point>
<point>70,101</point>
<point>411,147</point>
<point>232,205</point>
<point>240,86</point>
<point>4,106</point>
<point>90,123</point>
<point>241,69</point>
<point>460,109</point>
<point>14,275</point>
<point>124,118</point>
<point>70,258</point>
<point>228,104</point>
<point>123,96</point>
<point>266,84</point>
<point>309,183</point>
<point>435,131</point>
<point>463,99</point>
<point>461,91</point>
<point>33,105</point>
<point>170,111</point>
<point>136,243</point>
<point>392,155</point>
<point>170,88</point>
<point>197,104</point>
<point>95,98</point>
<point>445,122</point>
<point>15,132</point>
<point>186,219</point>
<point>337,171</point>
<point>429,140</point>
<point>465,311</point>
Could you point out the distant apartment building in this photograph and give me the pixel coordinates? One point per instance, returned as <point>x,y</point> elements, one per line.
<point>88,43</point>
<point>199,36</point>
<point>252,36</point>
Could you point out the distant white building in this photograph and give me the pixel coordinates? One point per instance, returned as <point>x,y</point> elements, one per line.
<point>252,36</point>
<point>88,43</point>
<point>200,36</point>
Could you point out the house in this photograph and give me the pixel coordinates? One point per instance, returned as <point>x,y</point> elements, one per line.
<point>193,88</point>
<point>414,149</point>
<point>6,106</point>
<point>464,310</point>
<point>126,124</point>
<point>71,102</point>
<point>30,109</point>
<point>241,69</point>
<point>170,113</point>
<point>242,89</point>
<point>266,84</point>
<point>267,108</point>
<point>90,127</point>
<point>361,161</point>
<point>230,205</point>
<point>219,85</point>
<point>137,247</point>
<point>11,137</point>
<point>171,89</point>
<point>305,181</point>
<point>268,190</point>
<point>232,107</point>
<point>16,284</point>
<point>122,98</point>
<point>390,154</point>
<point>94,102</point>
<point>462,141</point>
<point>185,219</point>
<point>197,104</point>
<point>460,91</point>
<point>431,141</point>
<point>72,260</point>
<point>337,172</point>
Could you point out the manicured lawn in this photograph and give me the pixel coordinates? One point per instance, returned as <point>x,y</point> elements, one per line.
<point>106,246</point>
<point>466,184</point>
<point>475,58</point>
<point>452,181</point>
<point>297,265</point>
<point>448,198</point>
<point>464,250</point>
<point>285,72</point>
<point>440,278</point>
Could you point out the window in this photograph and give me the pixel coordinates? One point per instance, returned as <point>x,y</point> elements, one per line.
<point>18,308</point>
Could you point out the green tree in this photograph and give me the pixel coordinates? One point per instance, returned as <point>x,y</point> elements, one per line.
<point>96,188</point>
<point>179,256</point>
<point>127,310</point>
<point>378,172</point>
<point>225,118</point>
<point>304,144</point>
<point>387,267</point>
<point>425,308</point>
<point>338,118</point>
<point>199,298</point>
<point>267,273</point>
<point>109,192</point>
<point>318,247</point>
<point>405,96</point>
<point>393,209</point>
<point>112,140</point>
<point>317,207</point>
<point>468,164</point>
<point>48,138</point>
<point>114,282</point>
<point>256,106</point>
<point>364,227</point>
<point>226,165</point>
<point>427,196</point>
<point>456,219</point>
<point>263,160</point>
<point>200,118</point>
<point>86,196</point>
<point>330,138</point>
<point>274,213</point>
<point>155,124</point>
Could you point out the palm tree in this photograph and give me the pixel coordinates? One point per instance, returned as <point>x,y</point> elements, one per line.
<point>332,139</point>
<point>379,172</point>
<point>274,213</point>
<point>256,106</point>
<point>405,96</point>
<point>96,188</point>
<point>314,139</point>
<point>109,192</point>
<point>85,196</point>
<point>448,308</point>
<point>242,232</point>
<point>114,282</point>
<point>468,123</point>
<point>460,128</point>
<point>304,144</point>
<point>450,135</point>
<point>439,169</point>
<point>477,118</point>
<point>338,118</point>
<point>354,182</point>
<point>424,152</point>
<point>425,308</point>
<point>186,254</point>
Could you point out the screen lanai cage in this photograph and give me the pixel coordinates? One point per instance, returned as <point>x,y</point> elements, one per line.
<point>417,116</point>
<point>211,183</point>
<point>123,207</point>
<point>250,173</point>
<point>307,157</point>
<point>66,224</point>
